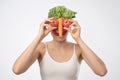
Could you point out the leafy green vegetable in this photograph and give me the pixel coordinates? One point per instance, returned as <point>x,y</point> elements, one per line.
<point>61,11</point>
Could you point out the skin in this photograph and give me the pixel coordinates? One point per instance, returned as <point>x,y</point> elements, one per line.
<point>36,49</point>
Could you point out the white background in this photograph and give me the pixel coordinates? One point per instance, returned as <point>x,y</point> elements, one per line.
<point>99,20</point>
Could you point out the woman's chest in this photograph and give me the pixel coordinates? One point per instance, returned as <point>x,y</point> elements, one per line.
<point>60,55</point>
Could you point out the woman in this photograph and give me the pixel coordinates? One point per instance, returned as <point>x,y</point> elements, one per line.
<point>59,59</point>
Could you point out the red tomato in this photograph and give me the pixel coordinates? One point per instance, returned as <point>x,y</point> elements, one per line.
<point>54,23</point>
<point>66,23</point>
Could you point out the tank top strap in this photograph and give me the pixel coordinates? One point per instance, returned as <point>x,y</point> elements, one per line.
<point>74,53</point>
<point>74,49</point>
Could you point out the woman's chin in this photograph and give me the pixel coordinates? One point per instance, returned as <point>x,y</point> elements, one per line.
<point>59,39</point>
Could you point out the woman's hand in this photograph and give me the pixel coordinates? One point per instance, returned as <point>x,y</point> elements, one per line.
<point>45,28</point>
<point>74,29</point>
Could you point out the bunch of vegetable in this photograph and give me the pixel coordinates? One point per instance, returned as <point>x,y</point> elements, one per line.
<point>62,17</point>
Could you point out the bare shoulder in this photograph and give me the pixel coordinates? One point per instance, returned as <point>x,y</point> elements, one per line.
<point>77,48</point>
<point>78,52</point>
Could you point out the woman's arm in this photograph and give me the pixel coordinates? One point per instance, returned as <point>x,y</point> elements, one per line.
<point>32,52</point>
<point>29,55</point>
<point>95,63</point>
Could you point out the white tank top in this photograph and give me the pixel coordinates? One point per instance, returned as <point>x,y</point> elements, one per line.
<point>53,70</point>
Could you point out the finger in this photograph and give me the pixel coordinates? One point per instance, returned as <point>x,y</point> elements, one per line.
<point>74,30</point>
<point>52,28</point>
<point>46,26</point>
<point>72,20</point>
<point>46,21</point>
<point>73,24</point>
<point>68,29</point>
<point>43,27</point>
<point>51,18</point>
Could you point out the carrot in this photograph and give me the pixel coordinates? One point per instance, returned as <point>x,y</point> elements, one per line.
<point>60,30</point>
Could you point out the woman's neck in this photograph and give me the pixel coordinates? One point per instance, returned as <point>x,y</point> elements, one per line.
<point>59,44</point>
